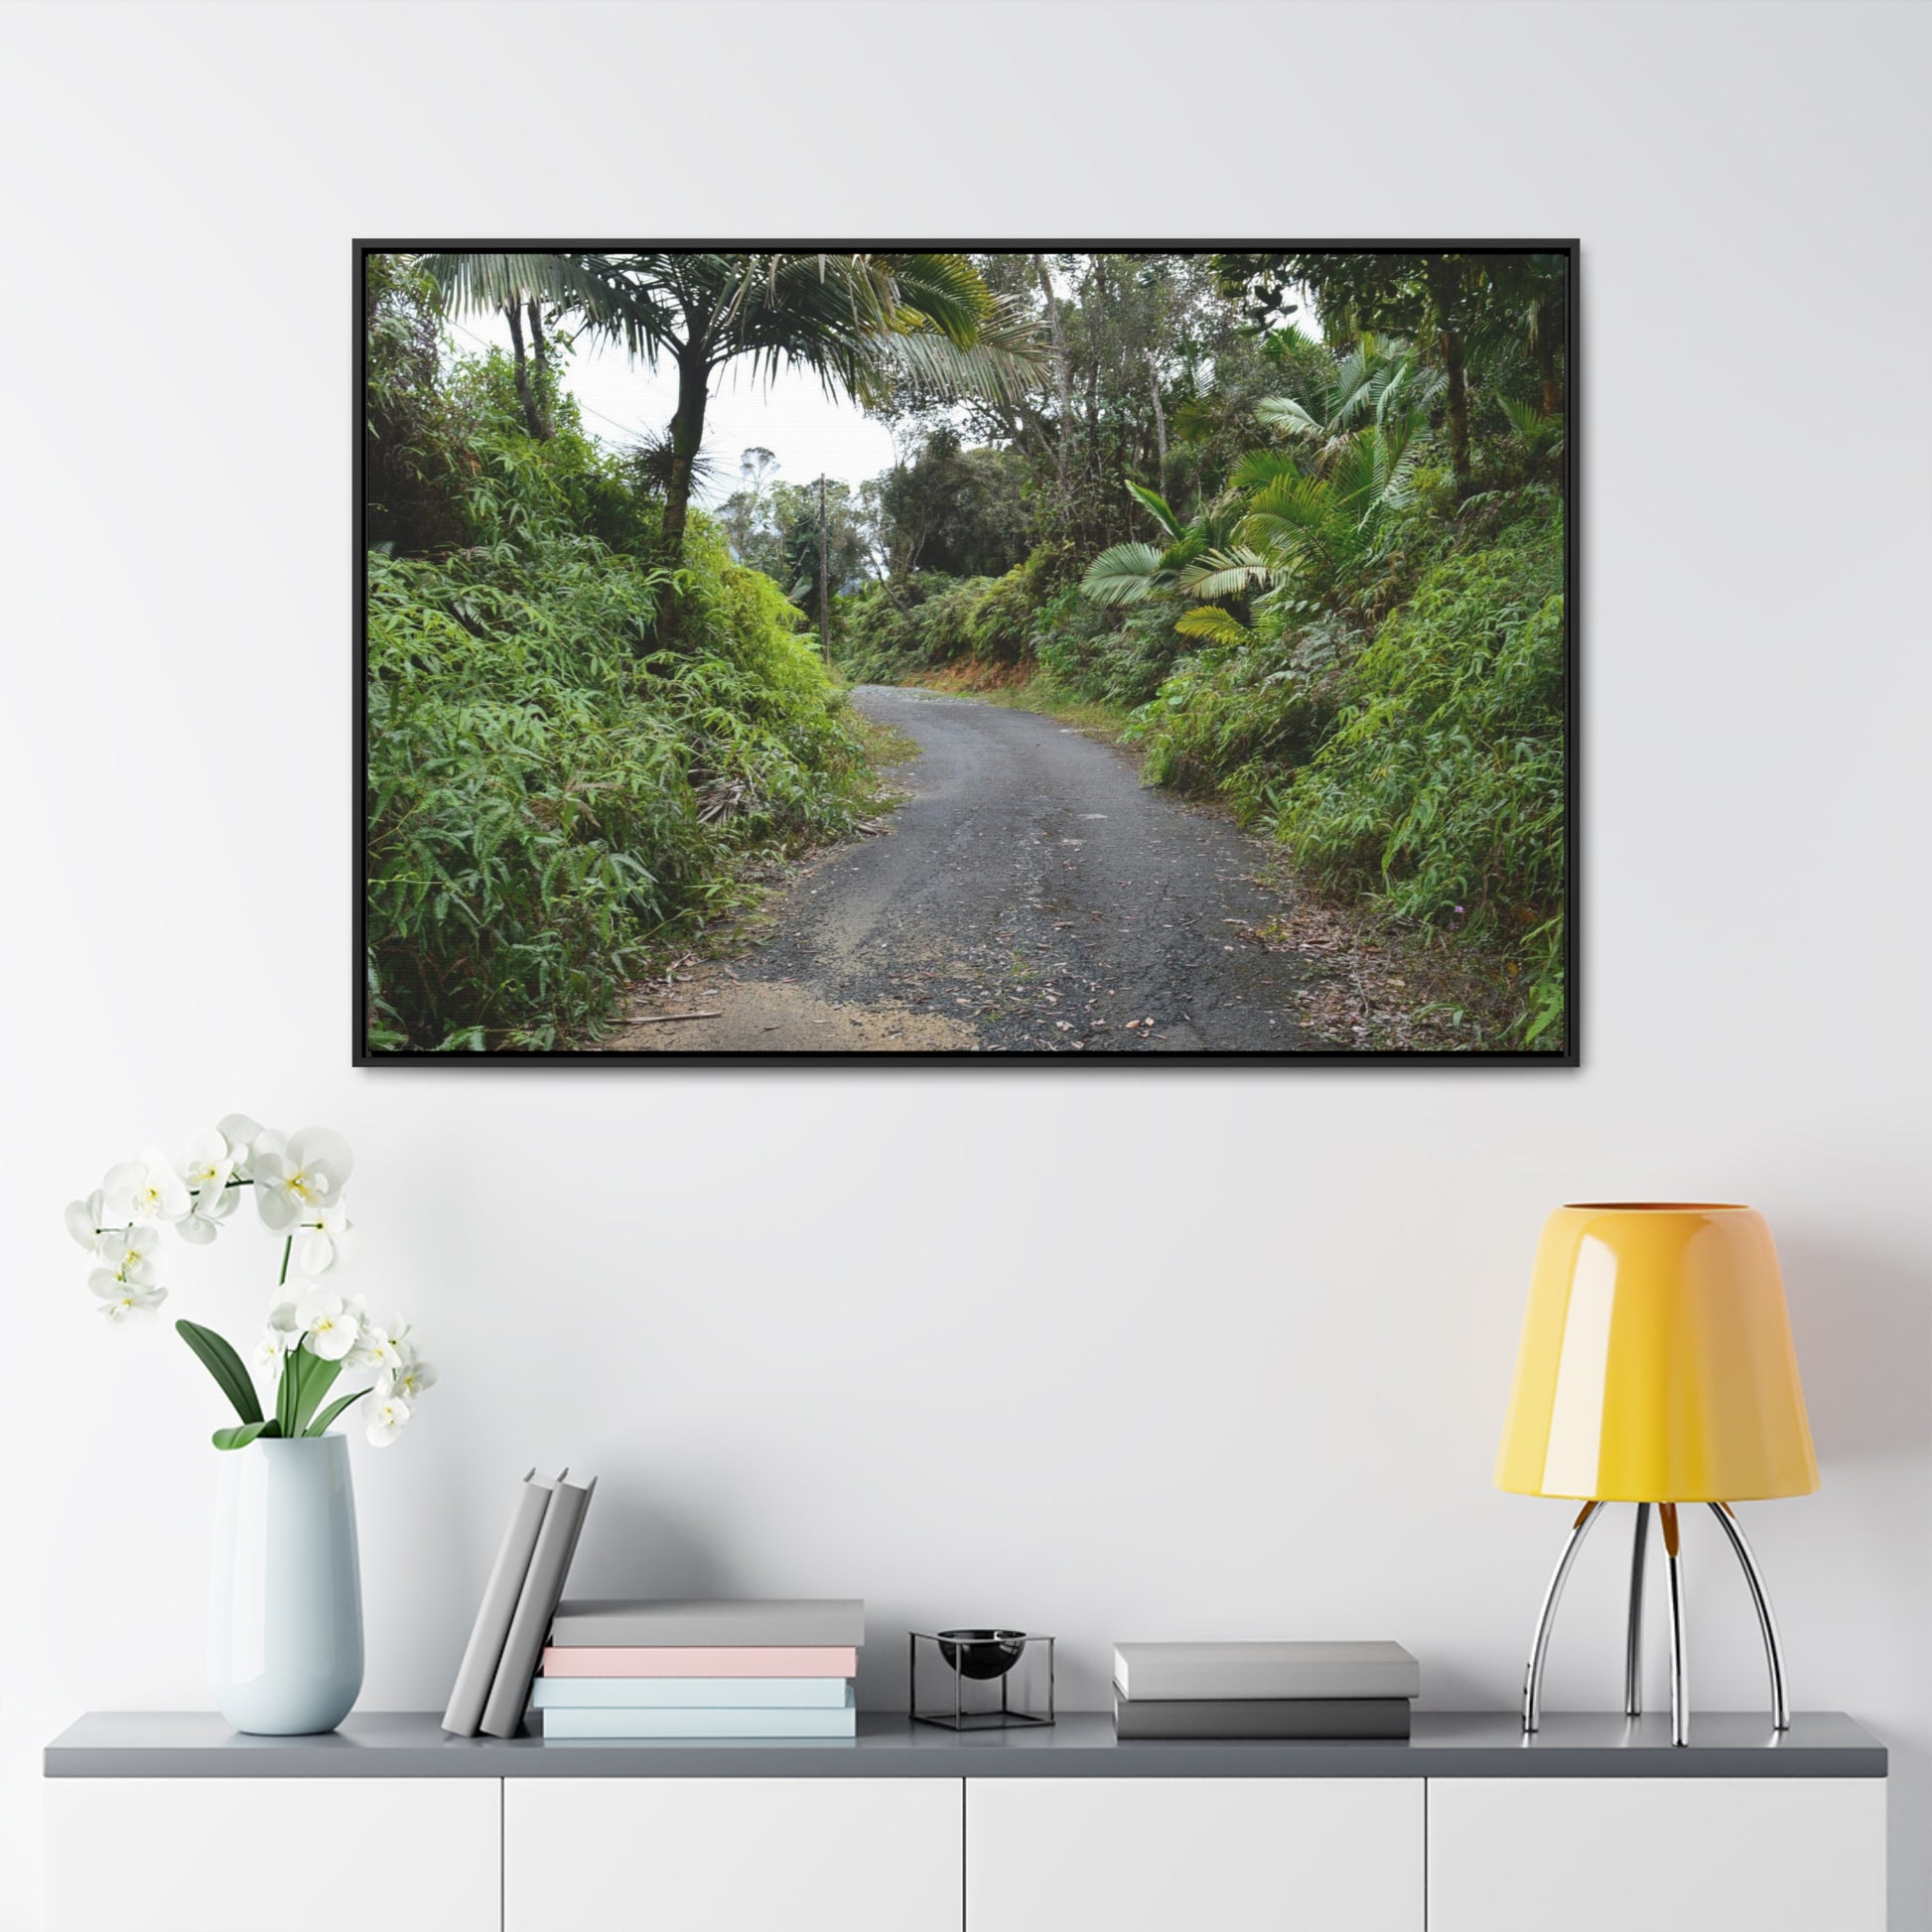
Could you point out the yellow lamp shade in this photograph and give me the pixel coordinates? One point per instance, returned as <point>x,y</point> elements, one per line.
<point>1656,1363</point>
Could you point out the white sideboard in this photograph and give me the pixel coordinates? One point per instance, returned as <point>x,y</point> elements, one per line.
<point>243,1855</point>
<point>1159,1855</point>
<point>173,1823</point>
<point>792,1854</point>
<point>1778,1854</point>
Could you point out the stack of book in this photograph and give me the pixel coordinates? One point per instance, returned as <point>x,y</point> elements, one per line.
<point>635,1669</point>
<point>1264,1690</point>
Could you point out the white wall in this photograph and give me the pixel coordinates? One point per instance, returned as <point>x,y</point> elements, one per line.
<point>1254,1329</point>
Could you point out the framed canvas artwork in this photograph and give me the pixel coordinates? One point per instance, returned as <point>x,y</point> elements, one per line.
<point>986,651</point>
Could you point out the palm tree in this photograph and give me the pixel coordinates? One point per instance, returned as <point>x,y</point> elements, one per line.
<point>1295,519</point>
<point>515,285</point>
<point>861,323</point>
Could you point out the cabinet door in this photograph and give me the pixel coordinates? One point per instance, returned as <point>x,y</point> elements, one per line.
<point>271,1855</point>
<point>731,1855</point>
<point>1671,1855</point>
<point>1172,1855</point>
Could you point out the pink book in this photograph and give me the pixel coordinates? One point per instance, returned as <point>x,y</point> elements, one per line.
<point>731,1660</point>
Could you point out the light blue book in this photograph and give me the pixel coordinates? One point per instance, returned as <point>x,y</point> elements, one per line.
<point>618,1723</point>
<point>691,1693</point>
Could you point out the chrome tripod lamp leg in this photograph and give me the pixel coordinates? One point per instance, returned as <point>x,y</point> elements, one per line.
<point>1540,1643</point>
<point>1680,1694</point>
<point>1633,1639</point>
<point>1767,1622</point>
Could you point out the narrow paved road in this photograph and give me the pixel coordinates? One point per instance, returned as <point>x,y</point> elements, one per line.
<point>1031,896</point>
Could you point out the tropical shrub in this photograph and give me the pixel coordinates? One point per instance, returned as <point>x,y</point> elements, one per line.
<point>549,789</point>
<point>1442,785</point>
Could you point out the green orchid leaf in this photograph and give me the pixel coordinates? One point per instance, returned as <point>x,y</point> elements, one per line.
<point>314,1380</point>
<point>320,1426</point>
<point>288,1391</point>
<point>240,1435</point>
<point>221,1362</point>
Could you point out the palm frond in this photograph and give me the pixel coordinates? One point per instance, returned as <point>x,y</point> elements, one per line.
<point>1157,506</point>
<point>1129,573</point>
<point>1543,434</point>
<point>1284,413</point>
<point>1225,573</point>
<point>1210,621</point>
<point>470,282</point>
<point>1260,467</point>
<point>1294,499</point>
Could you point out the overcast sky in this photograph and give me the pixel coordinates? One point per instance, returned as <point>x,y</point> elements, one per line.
<point>793,417</point>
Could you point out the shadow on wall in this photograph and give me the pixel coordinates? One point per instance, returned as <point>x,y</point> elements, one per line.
<point>1863,1324</point>
<point>636,1545</point>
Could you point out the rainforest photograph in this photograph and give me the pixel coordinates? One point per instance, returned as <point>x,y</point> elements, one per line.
<point>1029,650</point>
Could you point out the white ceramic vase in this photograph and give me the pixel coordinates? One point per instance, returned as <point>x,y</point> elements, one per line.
<point>285,1630</point>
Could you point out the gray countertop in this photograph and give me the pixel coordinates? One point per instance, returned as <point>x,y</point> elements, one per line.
<point>1446,1745</point>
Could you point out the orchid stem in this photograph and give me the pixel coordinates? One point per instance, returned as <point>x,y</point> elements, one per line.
<point>288,1248</point>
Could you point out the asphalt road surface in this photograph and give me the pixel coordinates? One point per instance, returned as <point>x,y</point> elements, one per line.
<point>1029,896</point>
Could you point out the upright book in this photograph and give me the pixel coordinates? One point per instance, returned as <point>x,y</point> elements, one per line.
<point>1155,1671</point>
<point>485,1650</point>
<point>536,1604</point>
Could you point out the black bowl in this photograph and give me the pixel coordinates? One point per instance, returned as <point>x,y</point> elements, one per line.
<point>981,1654</point>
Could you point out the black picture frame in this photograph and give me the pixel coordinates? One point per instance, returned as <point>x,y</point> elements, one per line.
<point>1569,1056</point>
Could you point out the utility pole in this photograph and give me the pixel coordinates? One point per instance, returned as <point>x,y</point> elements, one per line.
<point>824,582</point>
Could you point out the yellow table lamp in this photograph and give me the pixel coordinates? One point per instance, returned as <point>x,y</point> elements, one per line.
<point>1656,1366</point>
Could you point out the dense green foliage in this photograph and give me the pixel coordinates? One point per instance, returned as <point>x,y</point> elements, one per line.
<point>1323,571</point>
<point>1444,778</point>
<point>548,787</point>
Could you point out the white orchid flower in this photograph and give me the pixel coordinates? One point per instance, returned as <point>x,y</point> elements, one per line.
<point>388,1415</point>
<point>283,1334</point>
<point>147,1190</point>
<point>134,1254</point>
<point>403,1334</point>
<point>85,1218</point>
<point>298,1178</point>
<point>375,1349</point>
<point>410,1379</point>
<point>209,1164</point>
<point>120,1298</point>
<point>331,1326</point>
<point>326,1243</point>
<point>209,1211</point>
<point>241,1133</point>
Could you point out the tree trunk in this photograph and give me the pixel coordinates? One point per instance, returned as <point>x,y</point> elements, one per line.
<point>824,583</point>
<point>1546,362</point>
<point>1444,284</point>
<point>532,421</point>
<point>540,345</point>
<point>1065,370</point>
<point>687,438</point>
<point>1160,417</point>
<point>1458,407</point>
<point>1095,312</point>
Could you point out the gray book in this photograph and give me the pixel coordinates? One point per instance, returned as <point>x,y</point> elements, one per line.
<point>1278,1718</point>
<point>789,1622</point>
<point>1159,1671</point>
<point>485,1650</point>
<point>536,1604</point>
